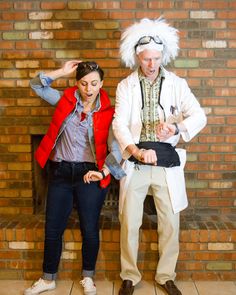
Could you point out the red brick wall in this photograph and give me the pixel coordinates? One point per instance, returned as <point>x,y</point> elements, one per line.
<point>41,35</point>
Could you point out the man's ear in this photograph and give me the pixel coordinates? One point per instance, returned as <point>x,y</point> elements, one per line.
<point>101,84</point>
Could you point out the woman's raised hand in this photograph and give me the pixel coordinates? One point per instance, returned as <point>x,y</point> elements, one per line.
<point>70,66</point>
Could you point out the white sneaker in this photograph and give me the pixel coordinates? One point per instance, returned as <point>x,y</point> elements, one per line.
<point>40,286</point>
<point>89,286</point>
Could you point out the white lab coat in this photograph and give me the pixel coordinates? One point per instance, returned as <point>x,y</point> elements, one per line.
<point>180,105</point>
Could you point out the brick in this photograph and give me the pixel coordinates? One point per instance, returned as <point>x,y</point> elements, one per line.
<point>221,185</point>
<point>15,55</point>
<point>73,246</point>
<point>196,185</point>
<point>21,245</point>
<point>16,16</point>
<point>202,14</point>
<point>40,15</point>
<point>116,236</point>
<point>73,54</point>
<point>41,35</point>
<point>122,15</point>
<point>6,84</point>
<point>20,166</point>
<point>226,14</point>
<point>70,15</point>
<point>6,5</point>
<point>215,44</point>
<point>107,5</point>
<point>7,45</point>
<point>111,246</point>
<point>14,36</point>
<point>220,246</point>
<point>68,236</point>
<point>186,63</point>
<point>14,139</point>
<point>226,92</point>
<point>209,175</point>
<point>226,111</point>
<point>59,35</point>
<point>51,25</point>
<point>77,5</point>
<point>172,15</point>
<point>127,5</point>
<point>219,266</point>
<point>15,74</point>
<point>28,45</point>
<point>201,73</point>
<point>10,255</point>
<point>217,24</point>
<point>107,25</point>
<point>6,64</point>
<point>68,255</point>
<point>94,35</point>
<point>27,64</point>
<point>154,246</point>
<point>88,15</point>
<point>6,26</point>
<point>14,275</point>
<point>26,26</point>
<point>26,5</point>
<point>19,148</point>
<point>161,4</point>
<point>53,5</point>
<point>215,5</point>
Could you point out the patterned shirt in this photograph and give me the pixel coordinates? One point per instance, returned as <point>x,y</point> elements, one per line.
<point>150,115</point>
<point>73,144</point>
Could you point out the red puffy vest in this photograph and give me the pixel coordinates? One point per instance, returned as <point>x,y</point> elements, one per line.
<point>101,123</point>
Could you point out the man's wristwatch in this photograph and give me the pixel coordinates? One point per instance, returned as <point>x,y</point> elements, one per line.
<point>176,129</point>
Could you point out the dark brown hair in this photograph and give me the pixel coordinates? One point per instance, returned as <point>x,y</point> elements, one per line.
<point>86,67</point>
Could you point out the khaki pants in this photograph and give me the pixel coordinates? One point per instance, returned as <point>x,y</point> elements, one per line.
<point>143,179</point>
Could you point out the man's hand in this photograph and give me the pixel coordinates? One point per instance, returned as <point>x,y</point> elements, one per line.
<point>165,131</point>
<point>142,155</point>
<point>149,157</point>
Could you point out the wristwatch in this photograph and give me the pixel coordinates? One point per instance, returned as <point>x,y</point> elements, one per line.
<point>103,174</point>
<point>176,129</point>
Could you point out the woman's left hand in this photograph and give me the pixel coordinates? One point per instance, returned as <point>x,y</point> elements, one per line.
<point>92,176</point>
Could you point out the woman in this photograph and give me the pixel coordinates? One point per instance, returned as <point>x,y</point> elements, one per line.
<point>76,146</point>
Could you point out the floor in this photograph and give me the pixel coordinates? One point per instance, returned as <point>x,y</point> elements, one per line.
<point>11,287</point>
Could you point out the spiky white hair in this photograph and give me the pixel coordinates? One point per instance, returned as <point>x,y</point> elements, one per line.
<point>146,27</point>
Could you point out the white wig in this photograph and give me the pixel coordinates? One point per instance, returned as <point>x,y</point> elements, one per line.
<point>146,27</point>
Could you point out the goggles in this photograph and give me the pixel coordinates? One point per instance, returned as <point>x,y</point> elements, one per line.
<point>147,39</point>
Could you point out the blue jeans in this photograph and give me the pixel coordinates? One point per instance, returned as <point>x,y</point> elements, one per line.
<point>65,185</point>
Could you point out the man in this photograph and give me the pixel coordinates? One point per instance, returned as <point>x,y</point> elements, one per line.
<point>153,108</point>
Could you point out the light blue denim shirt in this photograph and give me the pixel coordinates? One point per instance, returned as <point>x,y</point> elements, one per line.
<point>41,85</point>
